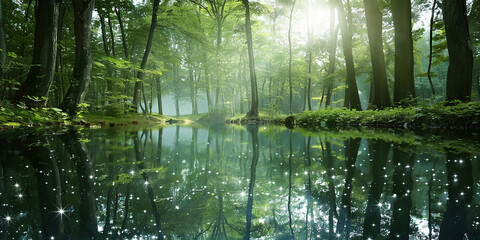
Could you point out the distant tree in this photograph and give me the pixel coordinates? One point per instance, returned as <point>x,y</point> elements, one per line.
<point>35,88</point>
<point>404,87</point>
<point>460,69</point>
<point>253,113</point>
<point>379,92</point>
<point>83,58</point>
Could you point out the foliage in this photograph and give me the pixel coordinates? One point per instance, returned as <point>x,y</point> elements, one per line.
<point>439,115</point>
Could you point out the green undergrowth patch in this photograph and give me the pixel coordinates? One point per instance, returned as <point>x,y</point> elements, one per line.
<point>12,117</point>
<point>263,118</point>
<point>459,116</point>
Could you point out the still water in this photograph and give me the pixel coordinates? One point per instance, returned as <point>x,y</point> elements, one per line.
<point>234,182</point>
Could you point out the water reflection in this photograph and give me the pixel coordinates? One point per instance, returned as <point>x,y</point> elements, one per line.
<point>236,182</point>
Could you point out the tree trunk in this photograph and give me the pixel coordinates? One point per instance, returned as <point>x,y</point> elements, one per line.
<point>404,87</point>
<point>59,64</point>
<point>122,34</point>
<point>138,83</point>
<point>83,58</point>
<point>460,69</point>
<point>380,95</point>
<point>432,19</point>
<point>3,45</point>
<point>103,30</point>
<point>290,87</point>
<point>332,55</point>
<point>346,30</point>
<point>253,113</point>
<point>40,77</point>
<point>159,95</point>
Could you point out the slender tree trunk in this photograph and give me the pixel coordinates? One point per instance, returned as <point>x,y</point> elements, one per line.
<point>139,83</point>
<point>40,77</point>
<point>332,55</point>
<point>59,64</point>
<point>429,71</point>
<point>380,94</point>
<point>103,30</point>
<point>253,113</point>
<point>83,58</point>
<point>352,99</point>
<point>159,95</point>
<point>3,45</point>
<point>404,87</point>
<point>112,35</point>
<point>122,33</point>
<point>460,69</point>
<point>290,87</point>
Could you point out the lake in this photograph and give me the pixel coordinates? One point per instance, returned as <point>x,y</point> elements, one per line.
<point>238,182</point>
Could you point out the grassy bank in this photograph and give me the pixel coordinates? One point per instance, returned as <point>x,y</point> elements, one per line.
<point>460,116</point>
<point>18,117</point>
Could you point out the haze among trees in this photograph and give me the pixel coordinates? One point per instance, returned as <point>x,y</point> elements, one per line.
<point>237,57</point>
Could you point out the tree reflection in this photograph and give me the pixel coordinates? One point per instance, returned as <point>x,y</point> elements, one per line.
<point>460,183</point>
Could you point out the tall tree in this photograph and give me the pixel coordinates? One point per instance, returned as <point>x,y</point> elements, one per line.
<point>3,45</point>
<point>83,58</point>
<point>332,54</point>
<point>404,87</point>
<point>40,77</point>
<point>352,99</point>
<point>253,113</point>
<point>290,87</point>
<point>460,69</point>
<point>379,92</point>
<point>148,48</point>
<point>430,42</point>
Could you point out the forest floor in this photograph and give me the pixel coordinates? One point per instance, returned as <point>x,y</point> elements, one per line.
<point>437,116</point>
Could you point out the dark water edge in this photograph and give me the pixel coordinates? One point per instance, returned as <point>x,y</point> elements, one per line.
<point>237,182</point>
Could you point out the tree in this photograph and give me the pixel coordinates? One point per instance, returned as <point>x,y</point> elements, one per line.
<point>460,69</point>
<point>379,93</point>
<point>404,87</point>
<point>290,87</point>
<point>148,48</point>
<point>352,99</point>
<point>3,45</point>
<point>35,88</point>
<point>332,54</point>
<point>83,58</point>
<point>253,113</point>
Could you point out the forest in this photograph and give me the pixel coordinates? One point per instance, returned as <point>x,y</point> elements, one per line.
<point>236,57</point>
<point>224,119</point>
